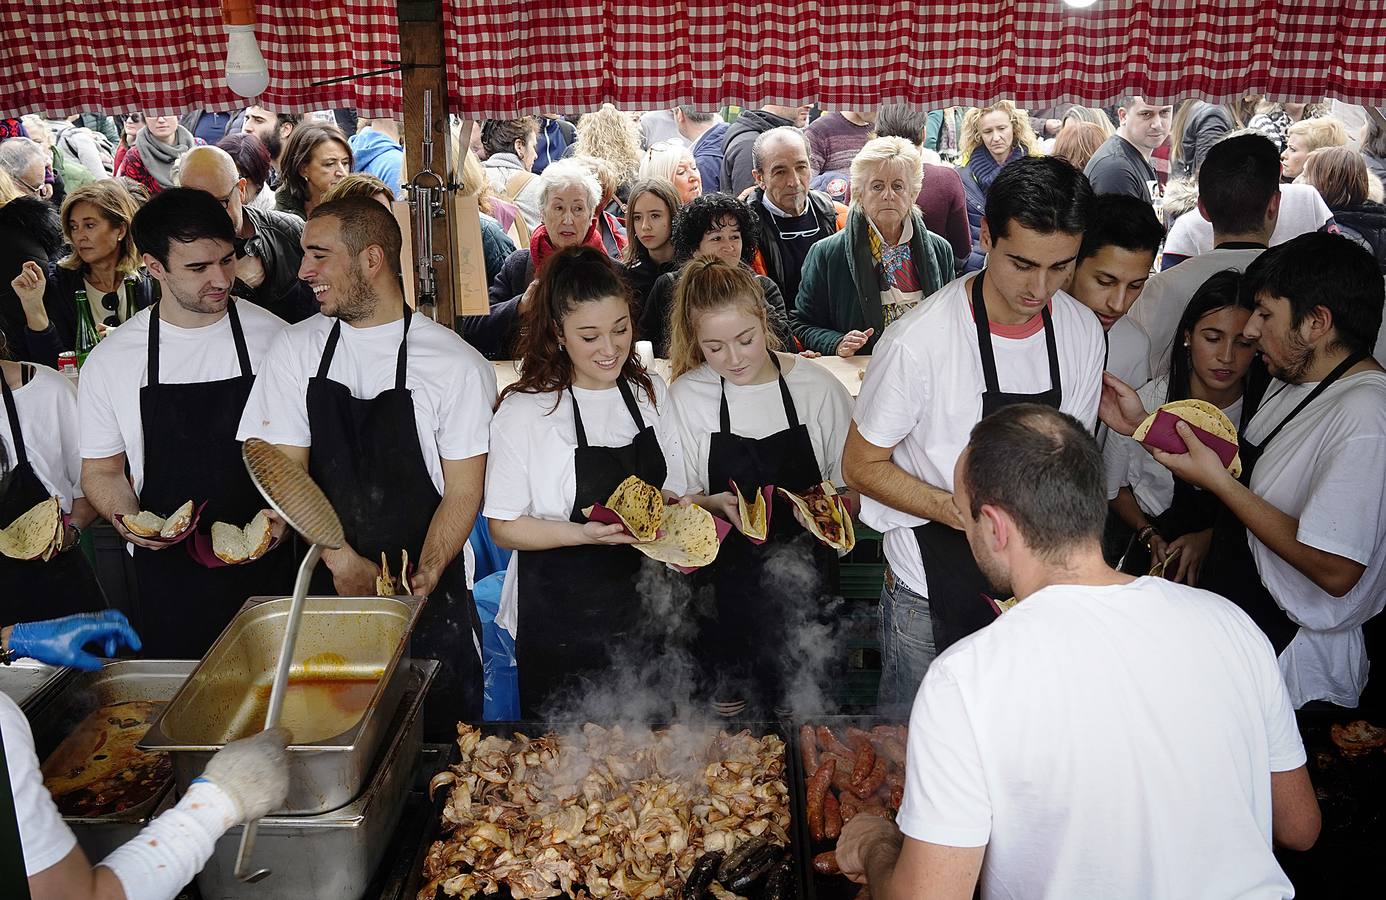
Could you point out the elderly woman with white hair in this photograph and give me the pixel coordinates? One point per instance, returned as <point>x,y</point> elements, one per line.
<point>673,161</point>
<point>569,195</point>
<point>880,265</point>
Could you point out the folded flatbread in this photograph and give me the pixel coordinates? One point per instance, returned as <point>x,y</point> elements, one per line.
<point>36,534</point>
<point>687,538</point>
<point>826,515</point>
<point>754,514</point>
<point>1210,425</point>
<point>640,506</point>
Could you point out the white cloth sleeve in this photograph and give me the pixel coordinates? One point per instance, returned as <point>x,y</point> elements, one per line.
<point>946,800</point>
<point>1282,731</point>
<point>1335,519</point>
<point>508,494</point>
<point>69,442</point>
<point>667,430</point>
<point>892,395</point>
<point>464,422</point>
<point>42,832</point>
<point>96,413</point>
<point>173,848</point>
<point>1116,462</point>
<point>277,408</point>
<point>694,444</point>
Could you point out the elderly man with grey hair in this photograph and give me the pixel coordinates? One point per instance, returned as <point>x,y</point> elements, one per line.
<point>792,217</point>
<point>568,198</point>
<point>267,242</point>
<point>26,162</point>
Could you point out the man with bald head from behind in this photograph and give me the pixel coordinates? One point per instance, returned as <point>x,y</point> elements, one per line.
<point>267,241</point>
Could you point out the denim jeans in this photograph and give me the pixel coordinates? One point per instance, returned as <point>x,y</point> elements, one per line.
<point>907,646</point>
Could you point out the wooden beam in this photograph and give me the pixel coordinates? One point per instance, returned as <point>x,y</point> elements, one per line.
<point>421,52</point>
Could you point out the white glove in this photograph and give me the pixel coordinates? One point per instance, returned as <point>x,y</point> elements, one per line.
<point>253,772</point>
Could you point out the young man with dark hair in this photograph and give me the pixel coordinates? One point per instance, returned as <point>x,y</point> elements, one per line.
<point>1114,263</point>
<point>161,397</point>
<point>1239,192</point>
<point>1122,164</point>
<point>1006,335</point>
<point>390,413</point>
<point>1064,725</point>
<point>1305,555</point>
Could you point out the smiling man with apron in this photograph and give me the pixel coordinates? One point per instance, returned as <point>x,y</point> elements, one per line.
<point>390,412</point>
<point>1302,544</point>
<point>33,589</point>
<point>1008,335</point>
<point>174,427</point>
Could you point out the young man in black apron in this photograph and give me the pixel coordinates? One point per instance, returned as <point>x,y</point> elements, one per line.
<point>1008,335</point>
<point>1302,547</point>
<point>173,428</point>
<point>390,414</point>
<point>35,589</point>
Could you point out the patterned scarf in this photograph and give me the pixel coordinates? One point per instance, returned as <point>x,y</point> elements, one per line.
<point>541,248</point>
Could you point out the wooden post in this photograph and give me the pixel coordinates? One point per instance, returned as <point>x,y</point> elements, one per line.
<point>421,52</point>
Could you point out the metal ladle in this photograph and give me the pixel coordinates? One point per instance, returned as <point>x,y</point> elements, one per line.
<point>290,492</point>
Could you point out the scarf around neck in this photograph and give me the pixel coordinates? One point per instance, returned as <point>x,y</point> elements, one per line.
<point>158,157</point>
<point>985,168</point>
<point>541,248</point>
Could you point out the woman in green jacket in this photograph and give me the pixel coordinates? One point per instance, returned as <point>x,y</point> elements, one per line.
<point>880,265</point>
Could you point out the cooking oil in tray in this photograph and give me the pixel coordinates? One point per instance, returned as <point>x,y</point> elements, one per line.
<point>316,707</point>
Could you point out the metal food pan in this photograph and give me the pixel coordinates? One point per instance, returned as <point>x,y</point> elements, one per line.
<point>54,718</point>
<point>331,856</point>
<point>343,637</point>
<point>27,682</point>
<point>536,729</point>
<point>816,886</point>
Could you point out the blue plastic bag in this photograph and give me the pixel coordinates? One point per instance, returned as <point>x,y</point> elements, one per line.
<point>500,679</point>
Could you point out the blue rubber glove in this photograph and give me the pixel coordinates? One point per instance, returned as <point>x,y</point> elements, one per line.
<point>60,642</point>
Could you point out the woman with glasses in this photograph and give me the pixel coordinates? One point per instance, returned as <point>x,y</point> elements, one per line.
<point>880,265</point>
<point>30,237</point>
<point>673,161</point>
<point>714,225</point>
<point>156,148</point>
<point>96,221</point>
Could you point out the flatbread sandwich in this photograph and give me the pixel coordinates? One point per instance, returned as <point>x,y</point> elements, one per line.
<point>151,525</point>
<point>687,538</point>
<point>238,545</point>
<point>640,506</point>
<point>1210,425</point>
<point>826,515</point>
<point>36,534</point>
<point>754,514</point>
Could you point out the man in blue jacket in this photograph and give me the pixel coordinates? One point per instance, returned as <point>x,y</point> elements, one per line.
<point>376,150</point>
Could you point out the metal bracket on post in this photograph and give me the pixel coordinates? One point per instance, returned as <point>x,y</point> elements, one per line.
<point>425,192</point>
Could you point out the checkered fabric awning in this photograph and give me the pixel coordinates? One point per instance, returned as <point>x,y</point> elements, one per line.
<point>509,57</point>
<point>60,57</point>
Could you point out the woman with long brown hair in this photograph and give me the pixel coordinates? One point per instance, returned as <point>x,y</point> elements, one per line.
<point>751,414</point>
<point>583,416</point>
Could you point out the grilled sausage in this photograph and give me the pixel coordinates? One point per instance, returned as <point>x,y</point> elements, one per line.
<point>829,742</point>
<point>832,818</point>
<point>817,790</point>
<point>865,763</point>
<point>826,863</point>
<point>808,748</point>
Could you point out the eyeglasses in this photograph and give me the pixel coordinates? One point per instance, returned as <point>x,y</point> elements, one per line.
<point>43,189</point>
<point>794,235</point>
<point>226,201</point>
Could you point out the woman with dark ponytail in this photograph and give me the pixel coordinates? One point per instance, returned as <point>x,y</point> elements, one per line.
<point>583,416</point>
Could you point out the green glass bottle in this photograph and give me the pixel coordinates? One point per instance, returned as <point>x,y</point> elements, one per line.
<point>86,329</point>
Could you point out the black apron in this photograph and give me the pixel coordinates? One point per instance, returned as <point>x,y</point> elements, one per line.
<point>1235,576</point>
<point>743,647</point>
<point>366,457</point>
<point>577,603</point>
<point>958,590</point>
<point>33,589</point>
<point>191,453</point>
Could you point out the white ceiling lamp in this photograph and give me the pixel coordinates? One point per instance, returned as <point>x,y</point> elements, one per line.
<point>246,72</point>
<point>1079,4</point>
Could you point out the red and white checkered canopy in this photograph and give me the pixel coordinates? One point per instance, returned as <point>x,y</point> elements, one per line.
<point>61,57</point>
<point>507,57</point>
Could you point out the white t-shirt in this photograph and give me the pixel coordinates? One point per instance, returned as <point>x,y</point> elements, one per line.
<point>923,393</point>
<point>452,386</point>
<point>1328,470</point>
<point>531,468</point>
<point>1106,742</point>
<point>1166,295</point>
<point>108,396</point>
<point>42,831</point>
<point>47,408</point>
<point>1128,464</point>
<point>1128,352</point>
<point>1302,210</point>
<point>757,411</point>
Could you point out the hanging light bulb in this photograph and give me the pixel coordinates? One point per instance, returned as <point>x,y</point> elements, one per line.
<point>246,72</point>
<point>1080,4</point>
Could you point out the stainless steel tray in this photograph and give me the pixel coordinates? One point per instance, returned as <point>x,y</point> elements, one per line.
<point>53,718</point>
<point>28,682</point>
<point>331,856</point>
<point>354,637</point>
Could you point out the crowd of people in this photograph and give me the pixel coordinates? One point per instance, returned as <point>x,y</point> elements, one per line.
<point>1028,286</point>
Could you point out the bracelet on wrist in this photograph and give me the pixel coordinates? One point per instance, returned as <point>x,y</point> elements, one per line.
<point>1145,534</point>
